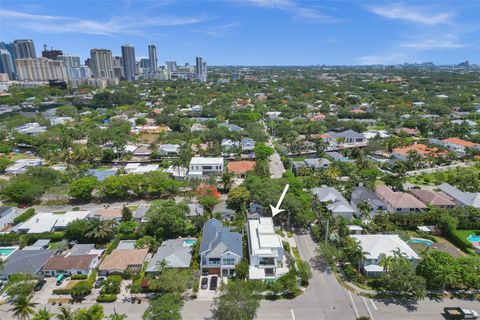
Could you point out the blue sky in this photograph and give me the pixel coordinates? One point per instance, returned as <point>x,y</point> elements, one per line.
<point>254,32</point>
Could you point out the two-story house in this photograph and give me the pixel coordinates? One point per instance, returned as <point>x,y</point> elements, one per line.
<point>201,167</point>
<point>221,249</point>
<point>267,255</point>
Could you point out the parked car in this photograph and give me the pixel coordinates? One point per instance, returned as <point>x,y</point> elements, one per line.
<point>99,282</point>
<point>39,285</point>
<point>60,279</point>
<point>204,285</point>
<point>460,313</point>
<point>213,283</point>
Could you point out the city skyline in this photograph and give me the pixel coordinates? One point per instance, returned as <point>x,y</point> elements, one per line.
<point>256,32</point>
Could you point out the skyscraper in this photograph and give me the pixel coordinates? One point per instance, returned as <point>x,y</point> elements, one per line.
<point>102,63</point>
<point>201,69</point>
<point>171,66</point>
<point>51,54</point>
<point>129,63</point>
<point>6,64</point>
<point>41,69</point>
<point>152,56</point>
<point>24,48</point>
<point>72,64</point>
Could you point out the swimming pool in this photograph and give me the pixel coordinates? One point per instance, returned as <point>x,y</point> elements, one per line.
<point>473,238</point>
<point>189,242</point>
<point>422,241</point>
<point>6,251</point>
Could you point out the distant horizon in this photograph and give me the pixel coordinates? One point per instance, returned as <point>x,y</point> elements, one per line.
<point>254,32</point>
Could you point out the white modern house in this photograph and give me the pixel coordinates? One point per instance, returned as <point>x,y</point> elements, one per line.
<point>267,255</point>
<point>205,166</point>
<point>20,166</point>
<point>380,246</point>
<point>47,222</point>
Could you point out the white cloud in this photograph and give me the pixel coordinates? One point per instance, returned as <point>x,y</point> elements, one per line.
<point>411,14</point>
<point>218,31</point>
<point>434,41</point>
<point>303,13</point>
<point>388,59</point>
<point>63,24</point>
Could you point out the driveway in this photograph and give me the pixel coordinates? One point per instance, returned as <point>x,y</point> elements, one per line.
<point>276,166</point>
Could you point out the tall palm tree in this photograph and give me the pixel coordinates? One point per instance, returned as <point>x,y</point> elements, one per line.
<point>386,262</point>
<point>43,314</point>
<point>227,180</point>
<point>65,313</point>
<point>23,308</point>
<point>99,229</point>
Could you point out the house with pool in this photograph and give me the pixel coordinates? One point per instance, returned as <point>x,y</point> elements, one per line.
<point>378,247</point>
<point>173,253</point>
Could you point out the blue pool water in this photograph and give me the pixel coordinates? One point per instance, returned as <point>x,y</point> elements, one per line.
<point>473,238</point>
<point>189,242</point>
<point>422,241</point>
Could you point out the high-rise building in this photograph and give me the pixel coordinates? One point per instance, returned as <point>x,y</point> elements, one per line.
<point>6,64</point>
<point>101,63</point>
<point>52,53</point>
<point>201,69</point>
<point>10,47</point>
<point>41,69</point>
<point>129,63</point>
<point>73,66</point>
<point>118,67</point>
<point>88,62</point>
<point>152,56</point>
<point>24,48</point>
<point>171,66</point>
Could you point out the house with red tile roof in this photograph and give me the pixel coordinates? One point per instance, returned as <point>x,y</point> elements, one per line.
<point>240,168</point>
<point>456,145</point>
<point>399,201</point>
<point>421,149</point>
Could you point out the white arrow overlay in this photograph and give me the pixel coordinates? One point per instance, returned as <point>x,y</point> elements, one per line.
<point>276,210</point>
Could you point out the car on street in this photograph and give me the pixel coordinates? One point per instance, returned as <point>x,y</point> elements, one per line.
<point>204,284</point>
<point>99,282</point>
<point>213,283</point>
<point>460,313</point>
<point>39,285</point>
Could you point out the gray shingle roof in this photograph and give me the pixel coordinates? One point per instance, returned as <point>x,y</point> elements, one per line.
<point>466,198</point>
<point>217,239</point>
<point>26,261</point>
<point>81,249</point>
<point>175,253</point>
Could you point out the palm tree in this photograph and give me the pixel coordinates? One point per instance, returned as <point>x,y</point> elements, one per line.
<point>447,274</point>
<point>386,262</point>
<point>65,313</point>
<point>227,180</point>
<point>117,316</point>
<point>43,314</point>
<point>99,229</point>
<point>365,209</point>
<point>23,307</point>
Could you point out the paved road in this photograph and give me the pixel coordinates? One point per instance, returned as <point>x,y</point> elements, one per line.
<point>276,166</point>
<point>86,206</point>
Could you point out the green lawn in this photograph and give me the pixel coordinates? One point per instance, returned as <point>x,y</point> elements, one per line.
<point>437,178</point>
<point>463,234</point>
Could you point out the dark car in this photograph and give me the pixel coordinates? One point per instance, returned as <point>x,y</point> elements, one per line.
<point>204,283</point>
<point>39,285</point>
<point>99,282</point>
<point>213,283</point>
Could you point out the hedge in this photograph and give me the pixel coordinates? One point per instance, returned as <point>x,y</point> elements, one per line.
<point>9,239</point>
<point>459,241</point>
<point>112,246</point>
<point>53,236</point>
<point>61,291</point>
<point>106,297</point>
<point>30,212</point>
<point>79,277</point>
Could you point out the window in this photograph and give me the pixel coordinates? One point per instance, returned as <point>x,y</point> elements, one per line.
<point>79,272</point>
<point>214,261</point>
<point>207,167</point>
<point>399,209</point>
<point>229,261</point>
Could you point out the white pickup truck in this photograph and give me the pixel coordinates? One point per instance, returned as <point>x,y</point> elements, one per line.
<point>460,313</point>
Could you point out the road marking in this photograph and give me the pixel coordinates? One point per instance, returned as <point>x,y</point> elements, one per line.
<point>292,314</point>
<point>374,306</point>
<point>368,309</point>
<point>353,304</point>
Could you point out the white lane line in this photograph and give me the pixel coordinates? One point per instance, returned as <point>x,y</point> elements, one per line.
<point>374,306</point>
<point>368,309</point>
<point>292,314</point>
<point>353,304</point>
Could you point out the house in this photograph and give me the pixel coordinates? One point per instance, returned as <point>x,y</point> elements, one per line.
<point>22,165</point>
<point>154,129</point>
<point>126,244</point>
<point>142,151</point>
<point>220,250</point>
<point>408,131</point>
<point>468,123</point>
<point>456,145</point>
<point>380,246</point>
<point>376,134</point>
<point>337,156</point>
<point>102,174</point>
<point>423,150</point>
<point>228,145</point>
<point>399,201</point>
<point>201,167</point>
<point>121,260</point>
<point>138,168</point>
<point>140,212</point>
<point>70,265</point>
<point>315,163</point>
<point>7,215</point>
<point>28,262</point>
<point>354,229</point>
<point>459,197</point>
<point>40,244</point>
<point>231,127</point>
<point>48,221</point>
<point>240,168</point>
<point>273,115</point>
<point>247,145</point>
<point>267,255</point>
<point>348,138</point>
<point>31,129</point>
<point>333,201</point>
<point>177,172</point>
<point>110,213</point>
<point>85,249</point>
<point>360,194</point>
<point>174,253</point>
<point>432,198</point>
<point>60,120</point>
<point>198,127</point>
<point>168,150</point>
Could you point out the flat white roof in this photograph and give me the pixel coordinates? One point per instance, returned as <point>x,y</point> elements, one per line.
<point>204,160</point>
<point>44,222</point>
<point>262,237</point>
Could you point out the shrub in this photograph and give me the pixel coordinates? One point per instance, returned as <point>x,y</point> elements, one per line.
<point>81,290</point>
<point>112,285</point>
<point>30,212</point>
<point>286,245</point>
<point>79,277</point>
<point>106,298</point>
<point>112,246</point>
<point>459,241</point>
<point>9,238</point>
<point>61,291</point>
